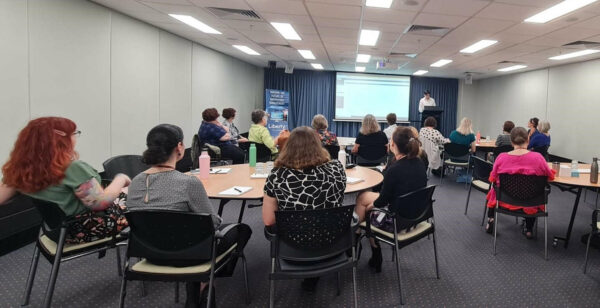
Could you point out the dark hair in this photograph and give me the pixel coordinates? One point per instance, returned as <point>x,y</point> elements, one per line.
<point>161,141</point>
<point>508,126</point>
<point>534,121</point>
<point>210,114</point>
<point>228,113</point>
<point>430,122</point>
<point>257,116</point>
<point>427,92</point>
<point>391,118</point>
<point>405,142</point>
<point>518,136</point>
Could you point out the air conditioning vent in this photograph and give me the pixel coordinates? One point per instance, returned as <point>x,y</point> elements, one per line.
<point>582,44</point>
<point>509,62</point>
<point>234,14</point>
<point>266,45</point>
<point>403,54</point>
<point>427,30</point>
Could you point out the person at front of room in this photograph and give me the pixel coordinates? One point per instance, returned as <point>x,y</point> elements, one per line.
<point>213,132</point>
<point>391,121</point>
<point>163,188</point>
<point>371,143</point>
<point>518,161</point>
<point>259,133</point>
<point>229,115</point>
<point>504,138</point>
<point>426,101</point>
<point>406,174</point>
<point>319,124</point>
<point>304,179</point>
<point>44,165</point>
<point>432,139</point>
<point>541,138</point>
<point>463,134</point>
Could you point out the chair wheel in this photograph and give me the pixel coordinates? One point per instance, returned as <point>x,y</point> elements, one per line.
<point>555,243</point>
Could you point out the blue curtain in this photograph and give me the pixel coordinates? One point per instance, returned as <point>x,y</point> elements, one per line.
<point>445,93</point>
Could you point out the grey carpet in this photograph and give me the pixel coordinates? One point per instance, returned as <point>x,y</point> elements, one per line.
<point>470,274</point>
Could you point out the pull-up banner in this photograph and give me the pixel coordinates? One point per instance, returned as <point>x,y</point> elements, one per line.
<point>277,104</point>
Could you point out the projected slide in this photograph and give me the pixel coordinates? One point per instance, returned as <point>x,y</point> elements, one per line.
<point>359,94</point>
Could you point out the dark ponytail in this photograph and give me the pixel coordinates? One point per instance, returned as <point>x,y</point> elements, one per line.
<point>405,142</point>
<point>161,141</point>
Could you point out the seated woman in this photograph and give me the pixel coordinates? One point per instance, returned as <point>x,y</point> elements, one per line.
<point>371,143</point>
<point>213,132</point>
<point>305,161</point>
<point>532,126</point>
<point>464,134</point>
<point>162,187</point>
<point>432,139</point>
<point>504,138</point>
<point>44,165</point>
<point>229,115</point>
<point>517,161</point>
<point>541,138</point>
<point>407,174</point>
<point>319,124</point>
<point>259,133</point>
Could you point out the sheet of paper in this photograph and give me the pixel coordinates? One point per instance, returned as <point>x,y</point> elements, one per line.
<point>236,190</point>
<point>259,175</point>
<point>219,170</point>
<point>351,180</point>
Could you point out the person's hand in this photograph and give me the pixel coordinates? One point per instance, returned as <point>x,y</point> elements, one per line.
<point>123,177</point>
<point>242,139</point>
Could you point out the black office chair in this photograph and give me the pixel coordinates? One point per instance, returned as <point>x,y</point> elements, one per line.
<point>186,163</point>
<point>407,230</point>
<point>595,232</point>
<point>361,161</point>
<point>455,156</point>
<point>263,153</point>
<point>131,165</point>
<point>311,243</point>
<point>182,237</point>
<point>51,244</point>
<point>501,149</point>
<point>526,191</point>
<point>542,150</point>
<point>333,150</point>
<point>481,175</point>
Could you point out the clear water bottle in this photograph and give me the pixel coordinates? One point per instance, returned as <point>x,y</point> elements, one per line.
<point>574,169</point>
<point>342,156</point>
<point>594,171</point>
<point>204,164</point>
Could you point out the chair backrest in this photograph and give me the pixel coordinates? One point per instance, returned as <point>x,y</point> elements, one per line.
<point>481,169</point>
<point>522,190</point>
<point>131,165</point>
<point>502,149</point>
<point>170,236</point>
<point>414,207</point>
<point>213,151</point>
<point>542,150</point>
<point>52,218</point>
<point>313,235</point>
<point>186,163</point>
<point>457,152</point>
<point>263,153</point>
<point>333,150</point>
<point>361,161</point>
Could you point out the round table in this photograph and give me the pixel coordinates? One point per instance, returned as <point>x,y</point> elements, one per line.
<point>240,176</point>
<point>486,144</point>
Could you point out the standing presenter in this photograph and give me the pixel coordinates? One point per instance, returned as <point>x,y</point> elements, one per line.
<point>427,100</point>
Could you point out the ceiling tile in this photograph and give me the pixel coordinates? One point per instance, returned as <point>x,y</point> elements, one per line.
<point>388,15</point>
<point>438,20</point>
<point>337,23</point>
<point>344,2</point>
<point>333,11</point>
<point>455,7</point>
<point>294,20</point>
<point>228,4</point>
<point>385,27</point>
<point>511,12</point>
<point>281,7</point>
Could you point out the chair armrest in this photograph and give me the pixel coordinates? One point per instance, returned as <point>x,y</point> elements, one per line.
<point>595,215</point>
<point>269,234</point>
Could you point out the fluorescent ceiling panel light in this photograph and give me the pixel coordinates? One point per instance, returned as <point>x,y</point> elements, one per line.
<point>558,10</point>
<point>247,50</point>
<point>360,68</point>
<point>286,30</point>
<point>441,63</point>
<point>317,66</point>
<point>479,46</point>
<point>362,58</point>
<point>420,72</point>
<point>380,3</point>
<point>195,23</point>
<point>575,54</point>
<point>306,54</point>
<point>368,37</point>
<point>512,68</point>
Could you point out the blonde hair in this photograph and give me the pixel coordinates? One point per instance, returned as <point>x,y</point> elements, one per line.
<point>465,127</point>
<point>543,126</point>
<point>369,125</point>
<point>319,122</point>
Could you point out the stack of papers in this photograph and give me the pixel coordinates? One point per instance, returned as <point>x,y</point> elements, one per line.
<point>259,175</point>
<point>236,190</point>
<point>350,180</point>
<point>219,170</point>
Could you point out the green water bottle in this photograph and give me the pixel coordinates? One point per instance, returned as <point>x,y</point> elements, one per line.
<point>252,159</point>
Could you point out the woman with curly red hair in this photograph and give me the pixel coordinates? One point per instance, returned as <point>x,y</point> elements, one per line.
<point>44,165</point>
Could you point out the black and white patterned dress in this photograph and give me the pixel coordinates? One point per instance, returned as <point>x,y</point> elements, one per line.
<point>313,188</point>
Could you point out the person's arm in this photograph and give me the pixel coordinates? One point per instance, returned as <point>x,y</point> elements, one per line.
<point>473,147</point>
<point>6,193</point>
<point>268,210</point>
<point>355,148</point>
<point>421,107</point>
<point>93,196</point>
<point>267,140</point>
<point>387,190</point>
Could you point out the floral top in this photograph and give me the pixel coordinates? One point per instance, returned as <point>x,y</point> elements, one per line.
<point>433,135</point>
<point>327,137</point>
<point>233,131</point>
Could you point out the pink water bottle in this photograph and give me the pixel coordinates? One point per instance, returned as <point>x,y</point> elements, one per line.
<point>204,164</point>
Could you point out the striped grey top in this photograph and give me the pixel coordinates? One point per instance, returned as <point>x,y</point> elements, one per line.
<point>169,190</point>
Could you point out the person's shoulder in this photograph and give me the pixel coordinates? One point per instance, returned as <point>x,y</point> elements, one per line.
<point>79,166</point>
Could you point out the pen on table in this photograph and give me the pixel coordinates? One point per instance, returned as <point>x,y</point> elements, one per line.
<point>238,190</point>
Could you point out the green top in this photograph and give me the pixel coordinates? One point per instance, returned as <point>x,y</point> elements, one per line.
<point>260,134</point>
<point>63,194</point>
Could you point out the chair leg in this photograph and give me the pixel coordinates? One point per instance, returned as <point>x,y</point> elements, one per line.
<point>143,288</point>
<point>546,238</point>
<point>354,278</point>
<point>119,268</point>
<point>245,269</point>
<point>484,212</point>
<point>272,285</point>
<point>437,271</point>
<point>468,197</point>
<point>31,277</point>
<point>587,250</point>
<point>123,293</point>
<point>337,276</point>
<point>177,291</point>
<point>55,267</point>
<point>495,228</point>
<point>399,276</point>
<point>442,172</point>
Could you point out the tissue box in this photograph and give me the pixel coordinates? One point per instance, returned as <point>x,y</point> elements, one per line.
<point>565,171</point>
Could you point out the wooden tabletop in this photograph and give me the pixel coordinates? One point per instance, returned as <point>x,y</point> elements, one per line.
<point>583,180</point>
<point>483,143</point>
<point>240,176</point>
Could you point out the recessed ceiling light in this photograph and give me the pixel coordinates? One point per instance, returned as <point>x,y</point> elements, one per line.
<point>195,23</point>
<point>286,30</point>
<point>306,54</point>
<point>575,54</point>
<point>362,58</point>
<point>420,72</point>
<point>512,68</point>
<point>440,63</point>
<point>558,10</point>
<point>247,50</point>
<point>479,46</point>
<point>380,3</point>
<point>317,66</point>
<point>360,68</point>
<point>368,37</point>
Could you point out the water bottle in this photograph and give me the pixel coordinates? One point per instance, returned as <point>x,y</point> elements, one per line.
<point>252,153</point>
<point>594,171</point>
<point>574,169</point>
<point>478,137</point>
<point>342,156</point>
<point>204,164</point>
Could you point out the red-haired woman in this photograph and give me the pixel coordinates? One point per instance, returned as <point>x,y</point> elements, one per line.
<point>45,166</point>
